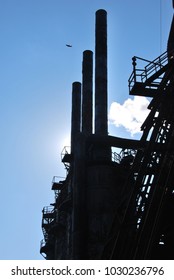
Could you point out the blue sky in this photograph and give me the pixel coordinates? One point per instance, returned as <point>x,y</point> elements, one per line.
<point>36,72</point>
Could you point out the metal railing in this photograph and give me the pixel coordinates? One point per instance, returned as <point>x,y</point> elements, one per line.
<point>42,243</point>
<point>57,179</point>
<point>145,72</point>
<point>115,157</point>
<point>66,152</point>
<point>48,210</point>
<point>118,157</point>
<point>49,214</point>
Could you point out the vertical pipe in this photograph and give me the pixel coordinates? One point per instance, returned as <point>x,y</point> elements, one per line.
<point>170,43</point>
<point>79,219</point>
<point>87,92</point>
<point>101,119</point>
<point>76,112</point>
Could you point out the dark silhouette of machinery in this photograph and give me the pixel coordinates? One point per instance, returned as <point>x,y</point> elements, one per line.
<point>116,205</point>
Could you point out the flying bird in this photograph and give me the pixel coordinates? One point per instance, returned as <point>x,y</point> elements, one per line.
<point>69,46</point>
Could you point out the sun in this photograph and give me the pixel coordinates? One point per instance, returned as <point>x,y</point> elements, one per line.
<point>66,142</point>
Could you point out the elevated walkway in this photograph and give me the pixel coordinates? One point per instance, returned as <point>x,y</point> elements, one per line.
<point>147,76</point>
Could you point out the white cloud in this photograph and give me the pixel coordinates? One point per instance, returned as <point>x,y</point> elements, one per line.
<point>131,114</point>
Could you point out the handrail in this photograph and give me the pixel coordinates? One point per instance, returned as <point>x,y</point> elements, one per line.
<point>156,64</point>
<point>56,179</point>
<point>115,157</point>
<point>142,74</point>
<point>42,245</point>
<point>66,150</point>
<point>48,209</point>
<point>48,217</point>
<point>118,157</point>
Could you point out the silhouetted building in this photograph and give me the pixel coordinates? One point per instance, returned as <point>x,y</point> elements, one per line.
<point>116,205</point>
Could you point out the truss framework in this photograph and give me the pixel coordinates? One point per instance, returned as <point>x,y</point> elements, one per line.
<point>147,229</point>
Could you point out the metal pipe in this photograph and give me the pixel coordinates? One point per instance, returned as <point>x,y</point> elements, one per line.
<point>87,92</point>
<point>101,114</point>
<point>170,43</point>
<point>76,112</point>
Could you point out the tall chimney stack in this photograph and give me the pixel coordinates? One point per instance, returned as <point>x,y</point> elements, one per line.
<point>75,113</point>
<point>87,92</point>
<point>101,114</point>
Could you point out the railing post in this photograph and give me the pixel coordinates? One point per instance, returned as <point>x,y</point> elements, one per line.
<point>134,68</point>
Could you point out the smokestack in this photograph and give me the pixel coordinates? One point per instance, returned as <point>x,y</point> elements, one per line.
<point>87,92</point>
<point>75,113</point>
<point>101,118</point>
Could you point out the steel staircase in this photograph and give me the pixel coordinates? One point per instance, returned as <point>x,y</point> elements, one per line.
<point>146,229</point>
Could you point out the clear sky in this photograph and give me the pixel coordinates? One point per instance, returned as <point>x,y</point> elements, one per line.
<point>36,75</point>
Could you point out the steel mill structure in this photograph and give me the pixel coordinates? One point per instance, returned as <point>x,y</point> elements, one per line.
<point>116,205</point>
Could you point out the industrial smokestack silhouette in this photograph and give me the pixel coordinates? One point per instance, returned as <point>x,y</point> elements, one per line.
<point>75,113</point>
<point>87,92</point>
<point>101,119</point>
